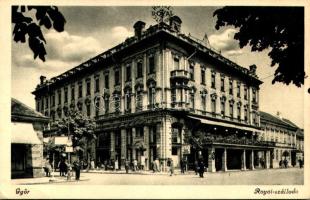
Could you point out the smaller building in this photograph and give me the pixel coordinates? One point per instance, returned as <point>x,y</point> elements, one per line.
<point>288,139</point>
<point>26,141</point>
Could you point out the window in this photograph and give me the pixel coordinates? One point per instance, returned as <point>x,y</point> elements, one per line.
<point>231,110</point>
<point>106,104</point>
<point>46,102</point>
<point>116,77</point>
<point>173,95</point>
<point>106,81</point>
<point>231,87</point>
<point>191,72</point>
<point>203,76</point>
<point>42,104</point>
<point>176,135</point>
<point>97,88</point>
<point>38,106</point>
<point>203,102</point>
<point>53,100</point>
<point>72,93</point>
<point>223,84</point>
<point>174,151</point>
<point>97,108</point>
<point>139,132</point>
<point>59,97</point>
<point>239,113</point>
<point>238,90</point>
<point>88,88</point>
<point>88,109</point>
<point>80,90</point>
<point>245,93</point>
<point>176,63</point>
<point>152,134</point>
<point>117,102</point>
<point>223,108</point>
<point>192,100</point>
<point>246,115</point>
<point>66,95</point>
<point>139,70</point>
<point>151,65</point>
<point>254,96</point>
<point>213,80</point>
<point>151,96</point>
<point>139,101</point>
<point>128,101</point>
<point>213,106</point>
<point>128,73</point>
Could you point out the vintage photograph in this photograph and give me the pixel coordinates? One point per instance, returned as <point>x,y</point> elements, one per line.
<point>157,95</point>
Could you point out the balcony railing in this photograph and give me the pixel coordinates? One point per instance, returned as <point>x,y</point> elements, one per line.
<point>180,73</point>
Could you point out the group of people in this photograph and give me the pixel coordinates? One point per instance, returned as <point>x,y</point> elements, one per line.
<point>283,163</point>
<point>64,167</point>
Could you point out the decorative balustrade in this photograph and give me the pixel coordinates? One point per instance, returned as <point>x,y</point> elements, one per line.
<point>180,73</point>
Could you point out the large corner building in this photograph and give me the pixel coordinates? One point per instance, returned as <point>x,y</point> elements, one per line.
<point>151,92</point>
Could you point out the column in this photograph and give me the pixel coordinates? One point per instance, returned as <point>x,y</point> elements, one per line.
<point>252,160</point>
<point>147,146</point>
<point>112,145</point>
<point>243,160</point>
<point>123,148</point>
<point>133,140</point>
<point>158,140</point>
<point>211,159</point>
<point>267,159</point>
<point>224,160</point>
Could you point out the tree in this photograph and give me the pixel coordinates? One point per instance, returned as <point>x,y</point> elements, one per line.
<point>82,131</point>
<point>47,16</point>
<point>279,28</point>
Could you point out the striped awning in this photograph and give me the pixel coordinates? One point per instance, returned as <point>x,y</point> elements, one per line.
<point>224,124</point>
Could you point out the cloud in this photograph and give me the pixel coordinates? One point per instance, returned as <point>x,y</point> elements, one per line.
<point>117,35</point>
<point>225,42</point>
<point>72,48</point>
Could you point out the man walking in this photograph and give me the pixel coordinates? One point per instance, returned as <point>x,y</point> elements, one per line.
<point>77,168</point>
<point>201,168</point>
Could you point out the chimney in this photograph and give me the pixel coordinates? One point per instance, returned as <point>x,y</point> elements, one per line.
<point>139,28</point>
<point>42,79</point>
<point>175,23</point>
<point>253,69</point>
<point>279,115</point>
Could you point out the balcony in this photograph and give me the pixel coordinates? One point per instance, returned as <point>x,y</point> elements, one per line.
<point>179,74</point>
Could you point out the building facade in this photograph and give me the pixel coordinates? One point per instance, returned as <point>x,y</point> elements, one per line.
<point>157,88</point>
<point>26,141</point>
<point>287,136</point>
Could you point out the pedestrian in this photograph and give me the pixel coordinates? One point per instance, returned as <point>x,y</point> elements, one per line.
<point>116,165</point>
<point>201,168</point>
<point>47,168</point>
<point>182,165</point>
<point>157,165</point>
<point>280,163</point>
<point>127,166</point>
<point>171,165</point>
<point>77,168</point>
<point>196,167</point>
<point>285,163</point>
<point>135,165</point>
<point>142,164</point>
<point>69,172</point>
<point>105,163</point>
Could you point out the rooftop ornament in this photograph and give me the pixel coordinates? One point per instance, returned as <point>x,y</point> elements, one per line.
<point>162,13</point>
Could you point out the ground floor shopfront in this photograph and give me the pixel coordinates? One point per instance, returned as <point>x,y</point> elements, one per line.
<point>148,136</point>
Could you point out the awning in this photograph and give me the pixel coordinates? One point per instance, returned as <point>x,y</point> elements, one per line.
<point>206,121</point>
<point>23,133</point>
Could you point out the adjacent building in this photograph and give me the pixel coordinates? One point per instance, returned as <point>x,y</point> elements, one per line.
<point>287,136</point>
<point>26,141</point>
<point>155,90</point>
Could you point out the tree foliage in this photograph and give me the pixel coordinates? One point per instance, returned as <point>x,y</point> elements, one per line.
<point>30,27</point>
<point>279,28</point>
<point>80,127</point>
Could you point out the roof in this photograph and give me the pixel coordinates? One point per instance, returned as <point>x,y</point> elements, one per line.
<point>129,42</point>
<point>20,111</point>
<point>267,117</point>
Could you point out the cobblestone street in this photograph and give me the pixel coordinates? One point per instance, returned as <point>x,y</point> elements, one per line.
<point>291,176</point>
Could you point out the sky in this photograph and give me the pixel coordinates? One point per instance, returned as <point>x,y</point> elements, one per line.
<point>92,30</point>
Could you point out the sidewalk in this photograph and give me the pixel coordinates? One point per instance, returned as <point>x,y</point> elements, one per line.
<point>45,180</point>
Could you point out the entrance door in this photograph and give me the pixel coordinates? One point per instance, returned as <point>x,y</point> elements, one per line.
<point>234,158</point>
<point>218,159</point>
<point>18,160</point>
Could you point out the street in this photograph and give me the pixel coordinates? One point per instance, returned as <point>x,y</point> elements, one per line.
<point>290,176</point>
